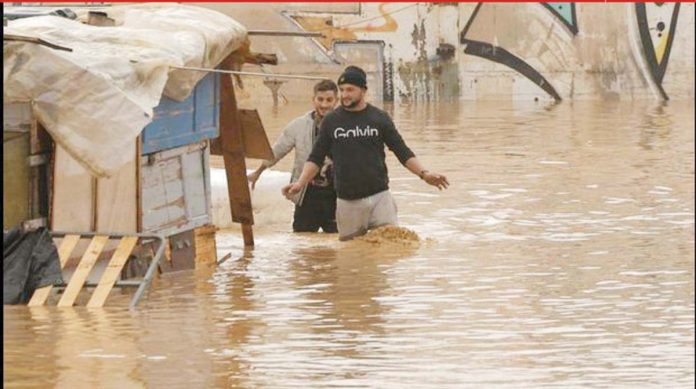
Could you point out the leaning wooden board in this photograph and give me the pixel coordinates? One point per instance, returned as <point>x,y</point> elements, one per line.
<point>112,271</point>
<point>82,271</point>
<point>66,248</point>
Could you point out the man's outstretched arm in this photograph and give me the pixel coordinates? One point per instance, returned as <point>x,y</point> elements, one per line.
<point>282,146</point>
<point>309,170</point>
<point>434,179</point>
<point>396,144</point>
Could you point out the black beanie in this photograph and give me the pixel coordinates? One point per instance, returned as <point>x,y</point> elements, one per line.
<point>353,75</point>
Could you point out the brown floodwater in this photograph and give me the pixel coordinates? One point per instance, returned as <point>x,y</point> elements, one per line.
<point>562,255</point>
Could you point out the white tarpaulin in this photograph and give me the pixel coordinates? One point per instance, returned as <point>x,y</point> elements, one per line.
<point>95,100</point>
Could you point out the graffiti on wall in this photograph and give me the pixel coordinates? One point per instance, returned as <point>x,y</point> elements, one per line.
<point>347,32</point>
<point>504,57</point>
<point>565,12</point>
<point>552,54</point>
<point>656,25</point>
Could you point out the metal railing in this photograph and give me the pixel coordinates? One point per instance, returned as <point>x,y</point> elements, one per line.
<point>142,284</point>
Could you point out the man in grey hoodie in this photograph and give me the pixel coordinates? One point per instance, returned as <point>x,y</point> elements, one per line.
<point>315,204</point>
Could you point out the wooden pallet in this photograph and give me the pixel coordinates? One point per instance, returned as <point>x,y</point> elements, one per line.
<point>109,278</point>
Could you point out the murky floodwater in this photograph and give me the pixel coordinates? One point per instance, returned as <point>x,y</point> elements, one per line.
<point>561,256</point>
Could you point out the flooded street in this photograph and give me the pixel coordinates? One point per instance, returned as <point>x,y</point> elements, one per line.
<point>562,255</point>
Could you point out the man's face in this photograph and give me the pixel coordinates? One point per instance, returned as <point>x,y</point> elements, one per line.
<point>324,101</point>
<point>351,95</point>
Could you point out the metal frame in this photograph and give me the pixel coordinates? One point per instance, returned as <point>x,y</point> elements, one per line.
<point>380,62</point>
<point>142,284</point>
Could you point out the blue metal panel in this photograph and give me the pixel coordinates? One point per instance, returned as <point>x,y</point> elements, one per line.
<point>190,121</point>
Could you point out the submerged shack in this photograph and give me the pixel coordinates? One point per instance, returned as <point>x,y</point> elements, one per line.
<point>108,127</point>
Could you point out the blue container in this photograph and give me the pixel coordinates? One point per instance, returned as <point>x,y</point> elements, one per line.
<point>180,123</point>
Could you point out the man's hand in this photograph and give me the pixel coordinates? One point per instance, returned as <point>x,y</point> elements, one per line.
<point>326,168</point>
<point>291,189</point>
<point>253,177</point>
<point>437,180</point>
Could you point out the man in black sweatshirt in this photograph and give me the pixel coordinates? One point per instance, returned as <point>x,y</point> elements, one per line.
<point>355,134</point>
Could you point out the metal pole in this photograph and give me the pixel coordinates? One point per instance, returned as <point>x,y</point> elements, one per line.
<point>272,75</point>
<point>122,284</point>
<point>286,33</point>
<point>145,284</point>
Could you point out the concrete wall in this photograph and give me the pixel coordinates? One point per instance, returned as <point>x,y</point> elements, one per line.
<point>484,51</point>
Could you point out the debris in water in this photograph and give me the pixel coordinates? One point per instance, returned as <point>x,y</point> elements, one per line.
<point>390,234</point>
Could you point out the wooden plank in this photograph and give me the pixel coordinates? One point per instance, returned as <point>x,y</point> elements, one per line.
<point>71,202</point>
<point>138,185</point>
<point>95,203</point>
<point>67,245</point>
<point>163,198</point>
<point>261,58</point>
<point>116,198</point>
<point>112,271</point>
<point>254,136</point>
<point>215,146</point>
<point>285,33</point>
<point>206,249</point>
<point>233,155</point>
<point>66,248</point>
<point>17,117</point>
<point>40,140</point>
<point>16,179</point>
<point>248,235</point>
<point>175,194</point>
<point>82,271</point>
<point>193,180</point>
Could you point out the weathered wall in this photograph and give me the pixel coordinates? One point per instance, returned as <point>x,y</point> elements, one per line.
<point>598,53</point>
<point>483,51</point>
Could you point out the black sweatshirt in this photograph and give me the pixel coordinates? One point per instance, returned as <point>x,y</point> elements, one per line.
<point>356,142</point>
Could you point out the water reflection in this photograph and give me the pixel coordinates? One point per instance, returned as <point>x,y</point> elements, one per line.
<point>657,123</point>
<point>345,285</point>
<point>233,370</point>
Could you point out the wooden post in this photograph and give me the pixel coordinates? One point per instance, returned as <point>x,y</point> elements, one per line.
<point>138,184</point>
<point>274,86</point>
<point>233,155</point>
